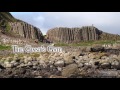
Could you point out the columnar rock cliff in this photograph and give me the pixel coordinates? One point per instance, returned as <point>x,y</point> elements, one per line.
<point>25,30</point>
<point>75,35</point>
<point>14,27</point>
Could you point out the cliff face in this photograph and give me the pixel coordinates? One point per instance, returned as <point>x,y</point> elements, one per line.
<point>75,35</point>
<point>17,28</point>
<point>25,30</point>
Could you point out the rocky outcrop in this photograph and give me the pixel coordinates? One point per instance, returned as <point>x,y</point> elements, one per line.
<point>75,35</point>
<point>17,28</point>
<point>37,65</point>
<point>25,30</point>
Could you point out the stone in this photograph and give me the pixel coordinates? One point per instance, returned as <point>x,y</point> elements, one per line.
<point>92,56</point>
<point>59,68</point>
<point>21,65</point>
<point>15,64</point>
<point>29,58</point>
<point>106,65</point>
<point>38,77</point>
<point>107,74</point>
<point>12,62</point>
<point>88,65</point>
<point>76,54</point>
<point>88,49</point>
<point>26,61</point>
<point>96,63</point>
<point>35,63</point>
<point>59,63</point>
<point>70,70</point>
<point>114,56</point>
<point>80,65</point>
<point>35,67</point>
<point>42,63</point>
<point>97,49</point>
<point>86,57</point>
<point>55,76</point>
<point>8,65</point>
<point>115,65</point>
<point>68,59</point>
<point>51,62</point>
<point>103,57</point>
<point>30,64</point>
<point>9,59</point>
<point>43,58</point>
<point>2,67</point>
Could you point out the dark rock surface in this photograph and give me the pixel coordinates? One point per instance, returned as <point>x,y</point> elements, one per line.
<point>75,35</point>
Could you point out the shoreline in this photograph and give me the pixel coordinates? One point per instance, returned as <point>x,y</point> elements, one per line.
<point>72,63</point>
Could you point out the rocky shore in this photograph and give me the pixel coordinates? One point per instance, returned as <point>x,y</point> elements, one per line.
<point>67,64</point>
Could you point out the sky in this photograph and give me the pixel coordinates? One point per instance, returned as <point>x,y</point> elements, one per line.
<point>105,21</point>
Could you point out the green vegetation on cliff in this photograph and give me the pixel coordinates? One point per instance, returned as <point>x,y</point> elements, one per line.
<point>5,47</point>
<point>6,16</point>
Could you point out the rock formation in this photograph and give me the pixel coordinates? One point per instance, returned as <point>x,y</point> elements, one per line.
<point>25,30</point>
<point>14,27</point>
<point>75,35</point>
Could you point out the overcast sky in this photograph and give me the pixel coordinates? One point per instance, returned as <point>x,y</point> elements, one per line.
<point>105,21</point>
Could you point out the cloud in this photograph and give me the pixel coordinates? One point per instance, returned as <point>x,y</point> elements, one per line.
<point>105,21</point>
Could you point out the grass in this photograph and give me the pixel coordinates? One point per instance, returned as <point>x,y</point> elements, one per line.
<point>2,47</point>
<point>86,43</point>
<point>61,44</point>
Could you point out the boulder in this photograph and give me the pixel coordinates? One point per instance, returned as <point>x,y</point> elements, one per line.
<point>106,65</point>
<point>115,64</point>
<point>59,63</point>
<point>68,60</point>
<point>8,65</point>
<point>97,49</point>
<point>70,70</point>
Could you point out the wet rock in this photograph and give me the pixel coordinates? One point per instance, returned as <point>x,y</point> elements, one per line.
<point>97,49</point>
<point>106,65</point>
